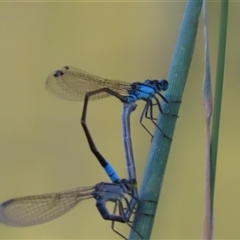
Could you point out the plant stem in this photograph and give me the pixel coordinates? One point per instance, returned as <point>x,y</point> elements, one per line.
<point>160,147</point>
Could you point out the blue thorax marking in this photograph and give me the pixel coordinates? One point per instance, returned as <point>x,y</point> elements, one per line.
<point>141,91</point>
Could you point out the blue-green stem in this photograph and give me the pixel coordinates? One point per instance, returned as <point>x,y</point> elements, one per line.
<point>160,147</point>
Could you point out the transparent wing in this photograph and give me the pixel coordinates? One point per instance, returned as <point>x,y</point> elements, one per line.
<point>33,210</point>
<point>72,84</point>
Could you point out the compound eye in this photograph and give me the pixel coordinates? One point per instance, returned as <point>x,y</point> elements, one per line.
<point>163,84</point>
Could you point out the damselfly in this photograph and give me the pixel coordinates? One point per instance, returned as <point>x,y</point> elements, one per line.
<point>76,85</point>
<point>34,210</point>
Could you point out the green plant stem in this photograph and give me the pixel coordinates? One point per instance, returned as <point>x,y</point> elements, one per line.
<point>157,160</point>
<point>218,93</point>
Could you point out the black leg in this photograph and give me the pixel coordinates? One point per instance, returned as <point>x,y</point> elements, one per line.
<point>152,119</point>
<point>150,115</point>
<point>126,219</point>
<point>146,214</point>
<point>148,105</point>
<point>165,100</point>
<point>113,222</point>
<point>145,109</point>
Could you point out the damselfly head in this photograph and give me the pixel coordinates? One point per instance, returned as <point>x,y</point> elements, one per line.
<point>162,84</point>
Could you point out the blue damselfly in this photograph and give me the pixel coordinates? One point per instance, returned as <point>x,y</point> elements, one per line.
<point>76,85</point>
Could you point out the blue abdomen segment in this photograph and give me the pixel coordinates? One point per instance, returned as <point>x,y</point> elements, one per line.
<point>111,173</point>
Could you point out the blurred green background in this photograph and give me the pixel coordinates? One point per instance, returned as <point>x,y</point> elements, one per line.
<point>43,147</point>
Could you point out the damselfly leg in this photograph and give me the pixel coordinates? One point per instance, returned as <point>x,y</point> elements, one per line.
<point>126,213</point>
<point>148,113</point>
